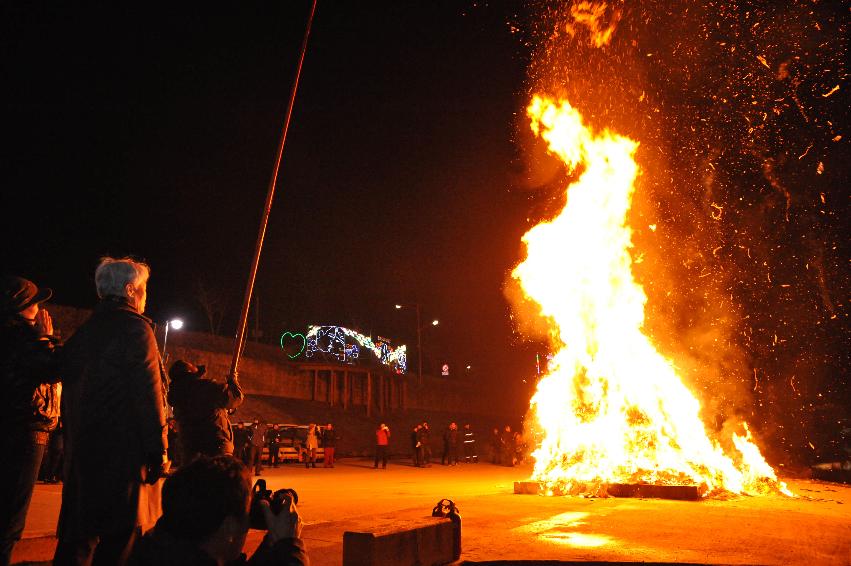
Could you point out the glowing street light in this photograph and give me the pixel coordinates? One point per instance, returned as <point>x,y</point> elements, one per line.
<point>434,322</point>
<point>175,323</point>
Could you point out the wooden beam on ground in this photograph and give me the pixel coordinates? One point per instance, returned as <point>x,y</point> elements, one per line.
<point>678,492</point>
<point>638,490</point>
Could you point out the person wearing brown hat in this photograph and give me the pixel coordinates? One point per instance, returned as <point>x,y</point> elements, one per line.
<point>201,408</point>
<point>29,410</point>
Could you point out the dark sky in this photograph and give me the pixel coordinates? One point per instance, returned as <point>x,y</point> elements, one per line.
<point>152,132</point>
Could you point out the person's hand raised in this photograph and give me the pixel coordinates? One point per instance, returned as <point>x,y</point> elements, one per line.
<point>43,323</point>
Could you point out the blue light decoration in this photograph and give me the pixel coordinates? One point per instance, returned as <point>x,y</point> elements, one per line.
<point>346,346</point>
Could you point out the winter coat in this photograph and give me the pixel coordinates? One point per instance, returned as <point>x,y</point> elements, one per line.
<point>258,435</point>
<point>160,547</point>
<point>201,409</point>
<point>450,437</point>
<point>114,417</point>
<point>469,436</point>
<point>312,442</point>
<point>240,439</point>
<point>382,437</point>
<point>424,436</point>
<point>29,368</point>
<point>329,438</point>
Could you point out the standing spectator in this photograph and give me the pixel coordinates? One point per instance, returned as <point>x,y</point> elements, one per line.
<point>519,448</point>
<point>311,443</point>
<point>507,440</point>
<point>425,445</point>
<point>329,445</point>
<point>415,447</point>
<point>30,405</point>
<point>450,445</point>
<point>382,440</point>
<point>274,443</point>
<point>201,408</point>
<point>240,442</point>
<point>496,446</point>
<point>470,454</point>
<point>114,417</point>
<point>255,447</point>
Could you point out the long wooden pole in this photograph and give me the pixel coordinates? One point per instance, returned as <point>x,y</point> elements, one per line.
<point>239,344</point>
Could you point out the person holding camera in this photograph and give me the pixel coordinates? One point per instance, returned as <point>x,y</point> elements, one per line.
<point>201,407</point>
<point>114,414</point>
<point>207,511</point>
<point>29,368</point>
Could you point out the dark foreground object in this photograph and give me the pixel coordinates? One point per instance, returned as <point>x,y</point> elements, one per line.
<point>677,492</point>
<point>413,542</point>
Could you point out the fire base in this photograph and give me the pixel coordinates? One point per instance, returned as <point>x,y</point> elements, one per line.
<point>677,492</point>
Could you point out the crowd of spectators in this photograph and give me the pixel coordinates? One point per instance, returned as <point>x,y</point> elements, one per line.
<point>459,446</point>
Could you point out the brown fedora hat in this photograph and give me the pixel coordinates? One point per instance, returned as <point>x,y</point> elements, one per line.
<point>17,293</point>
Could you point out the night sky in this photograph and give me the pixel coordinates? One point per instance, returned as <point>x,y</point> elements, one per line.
<point>408,175</point>
<point>153,133</point>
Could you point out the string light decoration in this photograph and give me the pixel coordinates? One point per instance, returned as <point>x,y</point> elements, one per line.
<point>346,345</point>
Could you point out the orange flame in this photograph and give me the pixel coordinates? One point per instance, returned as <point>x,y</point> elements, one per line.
<point>612,408</point>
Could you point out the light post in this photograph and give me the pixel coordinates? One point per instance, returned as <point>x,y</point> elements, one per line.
<point>435,322</point>
<point>175,323</point>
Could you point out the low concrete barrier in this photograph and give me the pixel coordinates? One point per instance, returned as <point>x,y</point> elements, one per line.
<point>421,542</point>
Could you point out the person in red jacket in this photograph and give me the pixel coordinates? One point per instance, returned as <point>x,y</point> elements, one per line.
<point>382,439</point>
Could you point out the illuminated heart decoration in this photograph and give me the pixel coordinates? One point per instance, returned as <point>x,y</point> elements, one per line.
<point>294,335</point>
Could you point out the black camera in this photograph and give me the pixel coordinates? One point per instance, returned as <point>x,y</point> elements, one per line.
<point>276,502</point>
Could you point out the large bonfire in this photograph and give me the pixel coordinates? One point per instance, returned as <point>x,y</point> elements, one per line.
<point>611,409</point>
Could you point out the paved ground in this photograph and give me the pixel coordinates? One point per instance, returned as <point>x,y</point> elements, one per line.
<point>498,525</point>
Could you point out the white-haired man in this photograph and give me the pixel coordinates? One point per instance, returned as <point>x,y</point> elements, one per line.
<point>114,414</point>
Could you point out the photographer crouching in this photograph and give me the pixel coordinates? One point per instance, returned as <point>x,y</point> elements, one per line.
<point>206,516</point>
<point>201,408</point>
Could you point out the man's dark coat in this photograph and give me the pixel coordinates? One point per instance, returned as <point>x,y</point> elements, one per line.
<point>201,407</point>
<point>114,414</point>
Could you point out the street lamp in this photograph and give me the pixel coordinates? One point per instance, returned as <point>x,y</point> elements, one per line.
<point>435,322</point>
<point>175,323</point>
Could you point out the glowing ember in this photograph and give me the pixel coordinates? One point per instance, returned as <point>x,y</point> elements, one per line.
<point>612,408</point>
